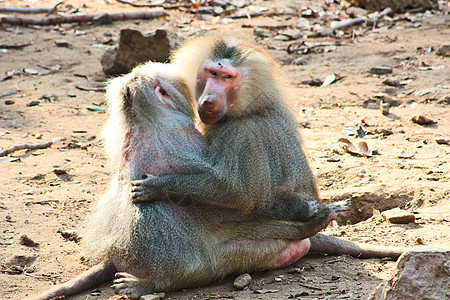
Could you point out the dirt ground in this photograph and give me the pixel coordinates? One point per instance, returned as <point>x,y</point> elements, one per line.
<point>411,170</point>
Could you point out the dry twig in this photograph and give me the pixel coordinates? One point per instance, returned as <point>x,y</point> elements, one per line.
<point>30,146</point>
<point>165,6</point>
<point>10,271</point>
<point>14,46</point>
<point>25,10</point>
<point>54,8</point>
<point>54,20</point>
<point>263,14</point>
<point>353,22</point>
<point>93,89</point>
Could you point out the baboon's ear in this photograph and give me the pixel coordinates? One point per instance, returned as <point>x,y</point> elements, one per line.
<point>127,97</point>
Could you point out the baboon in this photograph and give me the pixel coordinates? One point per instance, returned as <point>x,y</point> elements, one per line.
<point>163,246</point>
<point>255,163</point>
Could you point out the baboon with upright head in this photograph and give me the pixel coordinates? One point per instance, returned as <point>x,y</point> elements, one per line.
<point>255,163</point>
<point>164,246</point>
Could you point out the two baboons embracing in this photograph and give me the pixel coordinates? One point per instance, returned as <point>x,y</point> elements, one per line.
<point>186,209</point>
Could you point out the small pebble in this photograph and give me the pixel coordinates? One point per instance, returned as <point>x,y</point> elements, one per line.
<point>9,102</point>
<point>292,34</point>
<point>381,70</point>
<point>33,103</point>
<point>158,296</point>
<point>62,43</point>
<point>422,120</point>
<point>444,50</point>
<point>260,32</point>
<point>444,100</point>
<point>398,216</point>
<point>300,61</point>
<point>59,171</point>
<point>242,281</point>
<point>392,82</point>
<point>384,107</point>
<point>29,192</point>
<point>70,235</point>
<point>25,240</point>
<point>50,97</point>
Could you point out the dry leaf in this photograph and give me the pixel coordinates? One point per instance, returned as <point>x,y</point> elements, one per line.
<point>443,141</point>
<point>346,145</point>
<point>328,80</point>
<point>375,212</point>
<point>364,149</point>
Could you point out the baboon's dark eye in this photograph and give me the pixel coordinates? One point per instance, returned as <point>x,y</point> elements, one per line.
<point>163,92</point>
<point>213,73</point>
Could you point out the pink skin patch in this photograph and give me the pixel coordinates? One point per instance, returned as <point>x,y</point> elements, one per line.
<point>125,268</point>
<point>220,79</point>
<point>294,252</point>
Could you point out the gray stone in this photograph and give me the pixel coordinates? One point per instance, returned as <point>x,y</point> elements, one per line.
<point>242,281</point>
<point>444,50</point>
<point>385,108</point>
<point>33,103</point>
<point>422,273</point>
<point>158,296</point>
<point>261,32</point>
<point>220,3</point>
<point>444,100</point>
<point>381,70</point>
<point>135,48</point>
<point>398,216</point>
<point>27,241</point>
<point>292,34</point>
<point>392,81</point>
<point>62,43</point>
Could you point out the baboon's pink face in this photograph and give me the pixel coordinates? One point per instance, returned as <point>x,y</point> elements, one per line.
<point>216,89</point>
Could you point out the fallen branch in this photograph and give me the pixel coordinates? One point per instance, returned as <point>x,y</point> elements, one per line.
<point>165,6</point>
<point>54,20</point>
<point>10,271</point>
<point>352,22</point>
<point>272,27</point>
<point>42,202</point>
<point>306,47</point>
<point>30,146</point>
<point>26,10</point>
<point>41,277</point>
<point>91,89</point>
<point>309,286</point>
<point>262,14</point>
<point>14,46</point>
<point>62,105</point>
<point>31,10</point>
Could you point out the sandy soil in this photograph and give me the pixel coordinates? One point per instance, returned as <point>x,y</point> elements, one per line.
<point>411,170</point>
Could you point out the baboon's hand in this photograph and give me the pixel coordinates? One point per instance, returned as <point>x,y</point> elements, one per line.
<point>143,189</point>
<point>125,284</point>
<point>340,208</point>
<point>313,207</point>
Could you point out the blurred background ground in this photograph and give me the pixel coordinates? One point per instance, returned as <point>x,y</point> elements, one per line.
<point>410,168</point>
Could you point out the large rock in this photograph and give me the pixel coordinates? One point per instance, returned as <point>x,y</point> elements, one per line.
<point>421,274</point>
<point>395,5</point>
<point>135,48</point>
